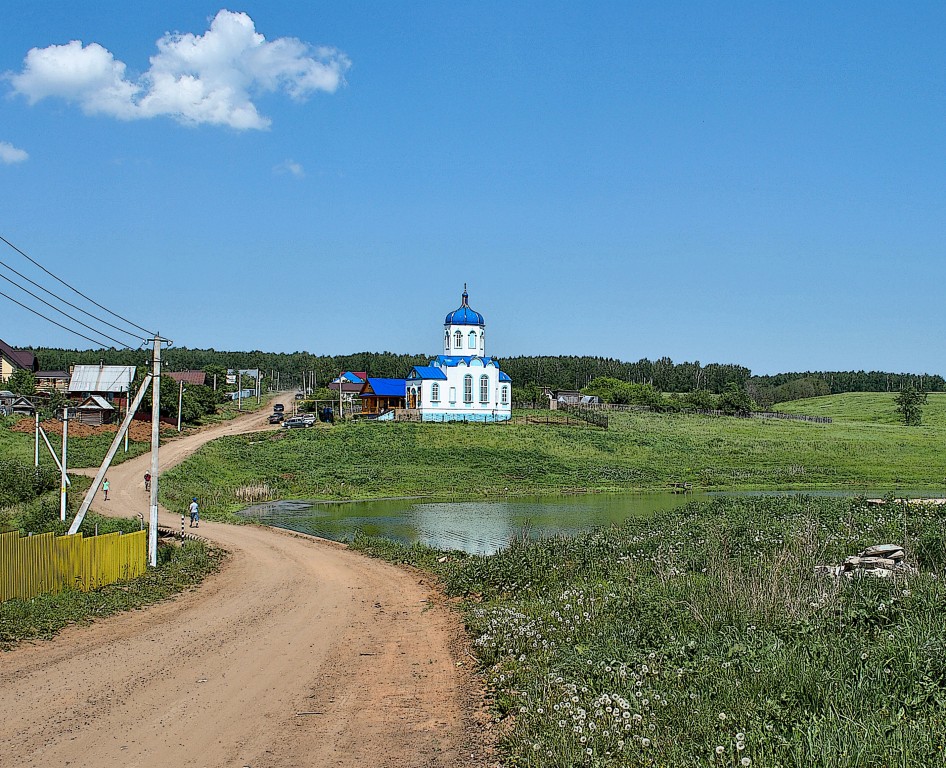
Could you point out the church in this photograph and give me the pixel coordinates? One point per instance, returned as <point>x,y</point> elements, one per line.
<point>462,384</point>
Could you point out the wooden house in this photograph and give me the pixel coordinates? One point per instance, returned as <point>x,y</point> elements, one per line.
<point>94,410</point>
<point>380,395</point>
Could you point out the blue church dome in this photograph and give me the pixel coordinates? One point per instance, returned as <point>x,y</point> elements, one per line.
<point>464,314</point>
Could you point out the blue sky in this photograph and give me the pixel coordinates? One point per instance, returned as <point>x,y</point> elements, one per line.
<point>753,183</point>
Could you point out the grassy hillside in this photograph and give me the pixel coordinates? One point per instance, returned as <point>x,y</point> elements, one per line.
<point>640,451</point>
<point>871,407</point>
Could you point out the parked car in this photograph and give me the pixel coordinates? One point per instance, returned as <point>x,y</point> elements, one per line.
<point>275,418</point>
<point>300,396</point>
<point>279,408</point>
<point>295,422</point>
<point>309,418</point>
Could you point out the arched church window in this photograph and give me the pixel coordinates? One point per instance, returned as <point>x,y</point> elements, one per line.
<point>472,341</point>
<point>504,395</point>
<point>458,339</point>
<point>484,389</point>
<point>468,389</point>
<point>435,392</point>
<point>446,339</point>
<point>482,341</point>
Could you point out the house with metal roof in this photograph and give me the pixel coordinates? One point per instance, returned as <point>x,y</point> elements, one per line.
<point>15,359</point>
<point>381,395</point>
<point>95,409</point>
<point>197,378</point>
<point>108,381</point>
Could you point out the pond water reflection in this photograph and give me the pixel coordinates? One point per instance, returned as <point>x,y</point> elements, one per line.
<point>481,527</point>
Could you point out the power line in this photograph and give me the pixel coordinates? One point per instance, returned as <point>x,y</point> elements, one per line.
<point>64,314</point>
<point>74,290</point>
<point>67,303</point>
<point>40,314</point>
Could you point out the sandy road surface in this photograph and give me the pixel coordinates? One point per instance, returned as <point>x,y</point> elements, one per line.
<point>298,653</point>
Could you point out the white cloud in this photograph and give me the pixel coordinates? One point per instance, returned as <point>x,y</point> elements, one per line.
<point>10,154</point>
<point>290,166</point>
<point>210,78</point>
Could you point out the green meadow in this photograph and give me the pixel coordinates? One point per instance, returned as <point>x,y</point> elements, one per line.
<point>878,408</point>
<point>640,451</point>
<point>705,637</point>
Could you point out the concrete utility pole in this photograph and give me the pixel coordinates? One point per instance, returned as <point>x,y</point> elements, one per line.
<point>36,447</point>
<point>180,403</point>
<point>239,390</point>
<point>63,465</point>
<point>155,441</point>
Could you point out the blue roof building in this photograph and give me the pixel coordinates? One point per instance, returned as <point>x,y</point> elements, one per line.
<point>462,384</point>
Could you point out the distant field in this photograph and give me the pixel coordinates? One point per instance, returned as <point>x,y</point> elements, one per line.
<point>871,407</point>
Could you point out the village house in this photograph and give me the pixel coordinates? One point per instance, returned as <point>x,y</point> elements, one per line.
<point>111,382</point>
<point>380,395</point>
<point>15,359</point>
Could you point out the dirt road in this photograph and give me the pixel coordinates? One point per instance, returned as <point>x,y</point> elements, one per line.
<point>298,653</point>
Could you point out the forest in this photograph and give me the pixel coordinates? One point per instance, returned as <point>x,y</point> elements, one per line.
<point>556,372</point>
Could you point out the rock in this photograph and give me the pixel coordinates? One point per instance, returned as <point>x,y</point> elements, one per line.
<point>877,562</point>
<point>883,550</point>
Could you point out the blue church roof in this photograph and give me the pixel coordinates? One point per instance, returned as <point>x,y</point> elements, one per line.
<point>451,361</point>
<point>427,372</point>
<point>503,376</point>
<point>464,314</point>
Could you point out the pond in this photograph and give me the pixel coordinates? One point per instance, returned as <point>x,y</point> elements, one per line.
<point>482,527</point>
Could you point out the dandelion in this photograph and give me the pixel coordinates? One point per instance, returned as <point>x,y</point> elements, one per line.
<point>645,742</point>
<point>720,749</point>
<point>740,736</point>
<point>722,717</point>
<point>745,762</point>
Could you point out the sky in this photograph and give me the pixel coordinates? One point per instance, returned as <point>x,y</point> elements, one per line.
<point>751,183</point>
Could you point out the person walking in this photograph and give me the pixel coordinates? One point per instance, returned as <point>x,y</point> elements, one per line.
<point>195,515</point>
<point>147,481</point>
<point>105,488</point>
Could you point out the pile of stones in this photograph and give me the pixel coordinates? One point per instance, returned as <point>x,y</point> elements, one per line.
<point>880,561</point>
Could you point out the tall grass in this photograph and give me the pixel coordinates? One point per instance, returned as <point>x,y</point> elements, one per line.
<point>705,638</point>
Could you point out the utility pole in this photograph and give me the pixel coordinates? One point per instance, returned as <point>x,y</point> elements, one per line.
<point>259,384</point>
<point>155,441</point>
<point>340,414</point>
<point>36,447</point>
<point>63,464</point>
<point>239,390</point>
<point>180,403</point>
<point>127,404</point>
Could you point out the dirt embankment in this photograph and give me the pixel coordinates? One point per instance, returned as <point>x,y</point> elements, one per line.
<point>298,653</point>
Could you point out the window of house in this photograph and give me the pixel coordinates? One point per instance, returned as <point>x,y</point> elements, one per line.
<point>468,389</point>
<point>458,339</point>
<point>505,395</point>
<point>453,394</point>
<point>472,340</point>
<point>435,392</point>
<point>484,389</point>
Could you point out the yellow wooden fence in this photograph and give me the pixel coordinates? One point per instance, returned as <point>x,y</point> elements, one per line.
<point>33,565</point>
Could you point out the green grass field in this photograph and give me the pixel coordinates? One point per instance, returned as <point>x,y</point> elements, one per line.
<point>641,451</point>
<point>869,407</point>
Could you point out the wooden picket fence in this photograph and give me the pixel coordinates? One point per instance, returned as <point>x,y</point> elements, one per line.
<point>34,565</point>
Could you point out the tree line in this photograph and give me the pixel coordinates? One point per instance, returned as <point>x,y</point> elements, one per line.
<point>557,372</point>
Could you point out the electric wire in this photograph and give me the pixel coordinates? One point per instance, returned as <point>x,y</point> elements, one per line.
<point>65,314</point>
<point>67,303</point>
<point>40,314</point>
<point>74,290</point>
